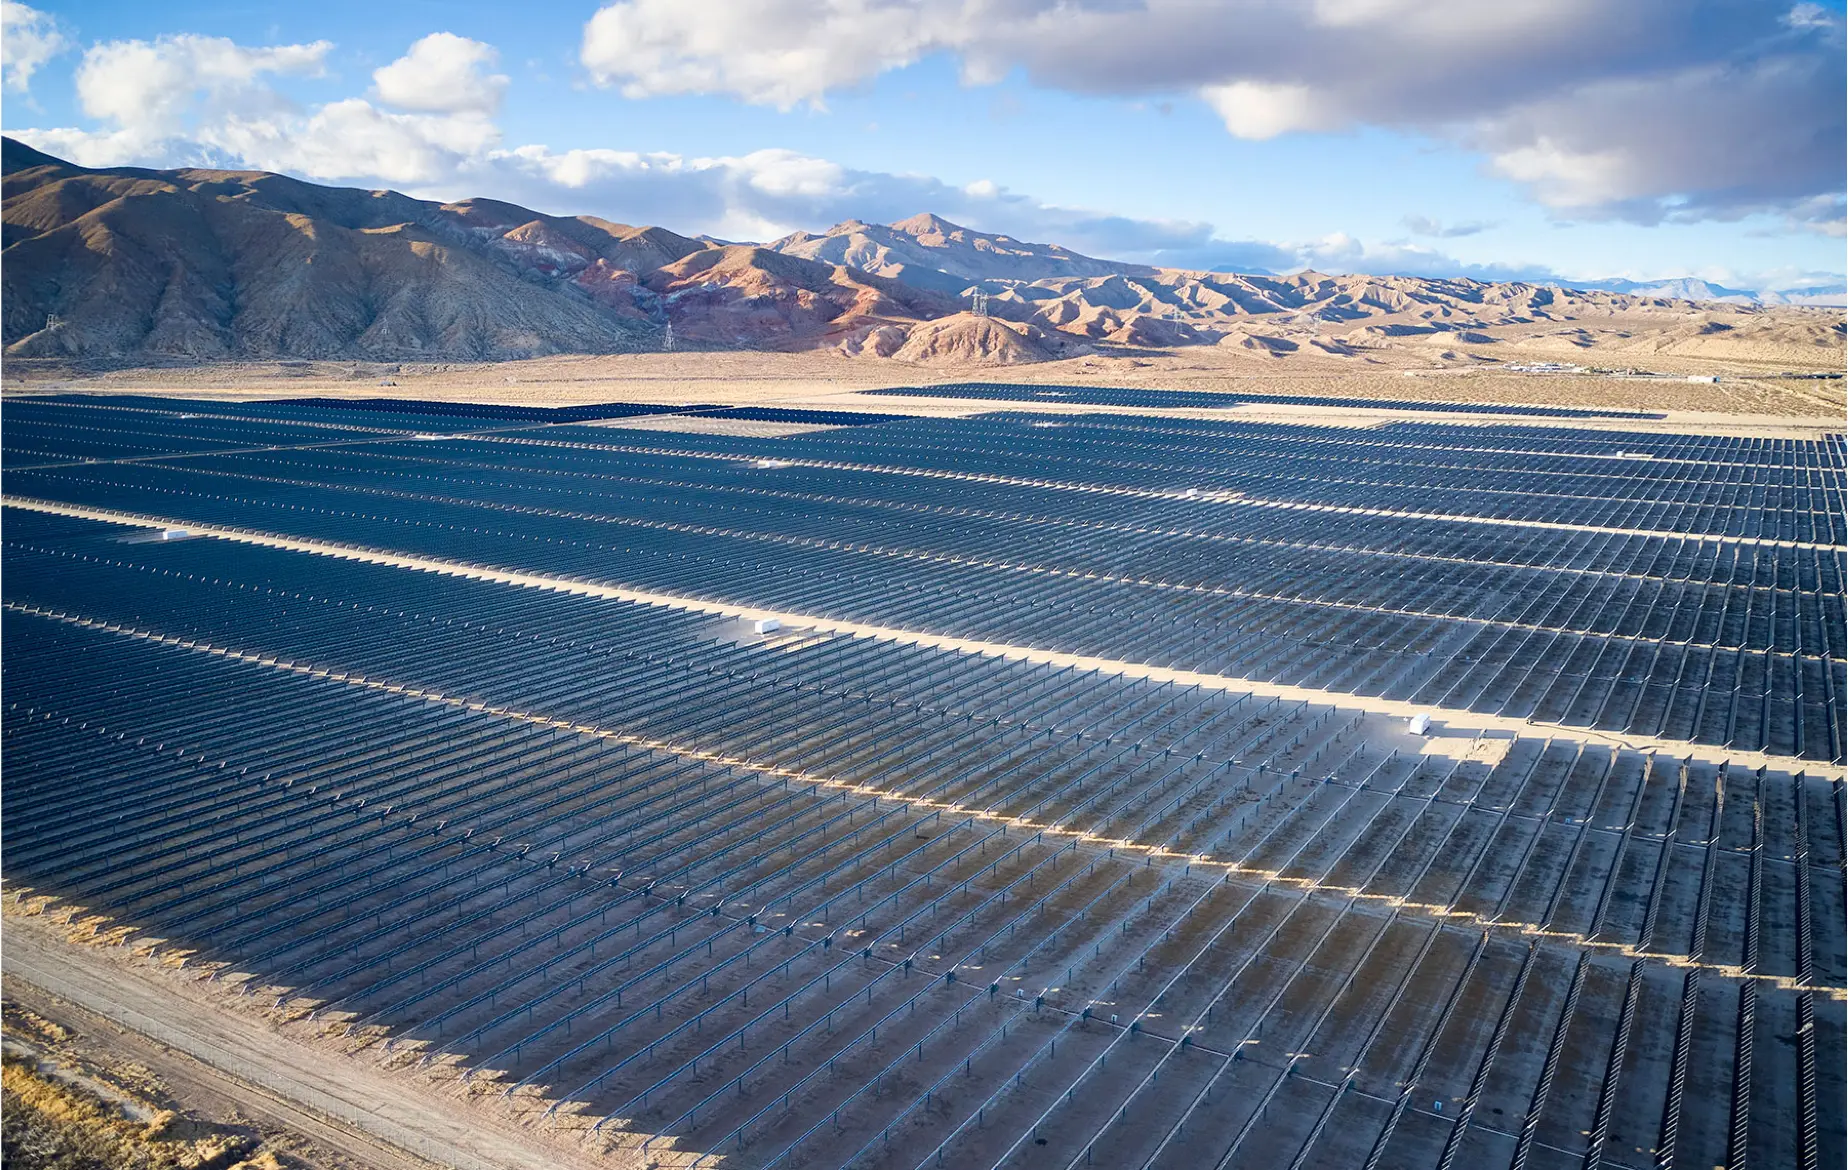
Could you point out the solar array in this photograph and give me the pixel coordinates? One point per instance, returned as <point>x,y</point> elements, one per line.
<point>471,412</point>
<point>1069,817</point>
<point>1209,399</point>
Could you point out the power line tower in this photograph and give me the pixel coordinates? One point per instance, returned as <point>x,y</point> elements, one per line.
<point>978,303</point>
<point>667,339</point>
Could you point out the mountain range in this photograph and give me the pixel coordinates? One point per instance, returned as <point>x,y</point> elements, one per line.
<point>1691,288</point>
<point>134,265</point>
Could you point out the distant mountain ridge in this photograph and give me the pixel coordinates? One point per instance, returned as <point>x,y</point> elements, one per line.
<point>130,264</point>
<point>929,251</point>
<point>1692,288</point>
<point>216,264</point>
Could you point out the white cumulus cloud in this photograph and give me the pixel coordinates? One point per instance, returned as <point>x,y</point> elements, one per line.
<point>208,101</point>
<point>28,39</point>
<point>354,140</point>
<point>151,90</point>
<point>443,73</point>
<point>775,52</point>
<point>1258,109</point>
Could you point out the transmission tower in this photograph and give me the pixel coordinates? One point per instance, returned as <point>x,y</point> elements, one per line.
<point>667,339</point>
<point>978,303</point>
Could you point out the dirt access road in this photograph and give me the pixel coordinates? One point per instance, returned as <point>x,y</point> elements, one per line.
<point>101,1056</point>
<point>343,1106</point>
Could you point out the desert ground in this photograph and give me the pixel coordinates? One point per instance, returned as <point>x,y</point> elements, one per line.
<point>1769,392</point>
<point>100,1089</point>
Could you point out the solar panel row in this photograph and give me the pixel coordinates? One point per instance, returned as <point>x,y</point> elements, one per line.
<point>1209,399</point>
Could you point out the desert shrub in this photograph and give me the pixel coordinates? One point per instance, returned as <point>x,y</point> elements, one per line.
<point>44,1126</point>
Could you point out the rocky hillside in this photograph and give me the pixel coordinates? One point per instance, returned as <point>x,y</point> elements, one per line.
<point>967,340</point>
<point>931,252</point>
<point>210,265</point>
<point>744,297</point>
<point>199,265</point>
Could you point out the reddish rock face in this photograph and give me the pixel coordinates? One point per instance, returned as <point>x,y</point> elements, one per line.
<point>747,296</point>
<point>614,289</point>
<point>538,247</point>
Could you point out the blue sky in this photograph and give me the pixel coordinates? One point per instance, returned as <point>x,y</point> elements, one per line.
<point>1532,138</point>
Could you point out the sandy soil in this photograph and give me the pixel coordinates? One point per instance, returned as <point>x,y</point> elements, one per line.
<point>82,1042</point>
<point>823,379</point>
<point>180,1010</point>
